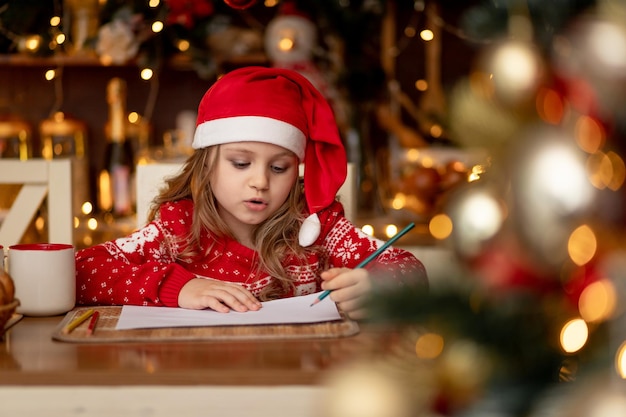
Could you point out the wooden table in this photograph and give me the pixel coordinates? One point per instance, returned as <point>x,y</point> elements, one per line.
<point>39,376</point>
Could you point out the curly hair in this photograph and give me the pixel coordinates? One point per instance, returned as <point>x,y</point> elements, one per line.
<point>275,239</point>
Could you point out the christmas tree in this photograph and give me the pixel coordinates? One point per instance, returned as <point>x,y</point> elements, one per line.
<point>536,325</point>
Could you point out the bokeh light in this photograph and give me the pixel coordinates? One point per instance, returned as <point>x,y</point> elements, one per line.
<point>427,35</point>
<point>574,335</point>
<point>146,74</point>
<point>391,230</point>
<point>620,361</point>
<point>606,170</point>
<point>597,301</point>
<point>365,390</point>
<point>517,71</point>
<point>368,229</point>
<point>550,106</point>
<point>582,245</point>
<point>557,179</point>
<point>440,226</point>
<point>477,216</point>
<point>429,346</point>
<point>589,134</point>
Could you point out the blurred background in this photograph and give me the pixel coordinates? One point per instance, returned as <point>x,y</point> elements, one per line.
<point>496,126</point>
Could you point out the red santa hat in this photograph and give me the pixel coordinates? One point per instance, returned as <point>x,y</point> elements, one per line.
<point>278,106</point>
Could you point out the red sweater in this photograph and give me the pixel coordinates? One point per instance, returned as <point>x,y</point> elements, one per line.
<point>141,269</point>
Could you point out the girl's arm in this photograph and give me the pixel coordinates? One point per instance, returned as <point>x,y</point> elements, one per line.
<point>128,270</point>
<point>138,269</point>
<point>347,246</point>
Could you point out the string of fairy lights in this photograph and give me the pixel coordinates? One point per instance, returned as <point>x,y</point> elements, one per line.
<point>60,33</point>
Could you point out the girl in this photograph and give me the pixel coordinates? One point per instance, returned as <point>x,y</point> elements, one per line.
<point>237,226</point>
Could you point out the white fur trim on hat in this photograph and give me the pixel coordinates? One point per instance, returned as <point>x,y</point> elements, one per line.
<point>250,129</point>
<point>310,230</point>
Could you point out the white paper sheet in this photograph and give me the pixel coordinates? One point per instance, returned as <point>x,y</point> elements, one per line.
<point>284,311</point>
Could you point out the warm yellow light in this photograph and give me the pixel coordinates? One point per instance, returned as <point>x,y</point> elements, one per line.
<point>582,245</point>
<point>87,207</point>
<point>412,155</point>
<point>285,44</point>
<point>421,85</point>
<point>106,59</point>
<point>50,74</point>
<point>146,74</point>
<point>368,229</point>
<point>550,106</point>
<point>436,131</point>
<point>60,38</point>
<point>597,301</point>
<point>429,346</point>
<point>40,223</point>
<point>399,201</point>
<point>476,172</point>
<point>391,230</point>
<point>619,171</point>
<point>574,335</point>
<point>104,186</point>
<point>55,21</point>
<point>154,3</point>
<point>516,71</point>
<point>157,26</point>
<point>590,134</point>
<point>183,45</point>
<point>92,224</point>
<point>620,361</point>
<point>606,170</point>
<point>87,240</point>
<point>31,43</point>
<point>133,117</point>
<point>440,226</point>
<point>428,162</point>
<point>427,35</point>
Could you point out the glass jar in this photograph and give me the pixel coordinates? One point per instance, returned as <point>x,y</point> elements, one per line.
<point>15,137</point>
<point>66,137</point>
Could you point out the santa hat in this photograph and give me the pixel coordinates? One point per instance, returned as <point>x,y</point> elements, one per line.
<point>278,106</point>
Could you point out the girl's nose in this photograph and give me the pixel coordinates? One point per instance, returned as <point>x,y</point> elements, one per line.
<point>259,180</point>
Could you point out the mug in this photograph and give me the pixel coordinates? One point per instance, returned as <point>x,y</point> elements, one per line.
<point>44,275</point>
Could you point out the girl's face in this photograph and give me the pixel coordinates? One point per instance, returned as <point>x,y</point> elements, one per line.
<point>250,182</point>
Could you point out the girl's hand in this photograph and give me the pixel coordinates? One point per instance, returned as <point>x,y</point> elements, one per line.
<point>201,293</point>
<point>349,289</point>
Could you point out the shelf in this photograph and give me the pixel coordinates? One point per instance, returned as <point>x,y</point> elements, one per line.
<point>178,62</point>
<point>51,61</point>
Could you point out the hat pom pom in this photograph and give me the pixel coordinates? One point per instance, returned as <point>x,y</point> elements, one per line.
<point>310,230</point>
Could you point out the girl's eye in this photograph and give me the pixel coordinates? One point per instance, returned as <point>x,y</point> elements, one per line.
<point>240,164</point>
<point>278,170</point>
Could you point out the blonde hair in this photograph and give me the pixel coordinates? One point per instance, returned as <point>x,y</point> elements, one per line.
<point>276,239</point>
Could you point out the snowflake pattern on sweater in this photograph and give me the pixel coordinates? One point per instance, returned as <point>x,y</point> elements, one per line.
<point>142,269</point>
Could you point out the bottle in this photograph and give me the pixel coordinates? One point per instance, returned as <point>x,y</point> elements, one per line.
<point>115,180</point>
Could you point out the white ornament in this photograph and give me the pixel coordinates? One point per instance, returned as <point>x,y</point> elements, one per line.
<point>290,39</point>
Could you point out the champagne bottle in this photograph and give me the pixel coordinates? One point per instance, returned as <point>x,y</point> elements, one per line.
<point>115,179</point>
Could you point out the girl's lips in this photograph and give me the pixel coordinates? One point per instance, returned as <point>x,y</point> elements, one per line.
<point>255,205</point>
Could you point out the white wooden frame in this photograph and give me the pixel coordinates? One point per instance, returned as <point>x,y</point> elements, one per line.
<point>40,178</point>
<point>150,177</point>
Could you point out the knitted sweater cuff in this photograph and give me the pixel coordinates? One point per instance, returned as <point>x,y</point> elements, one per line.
<point>173,283</point>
